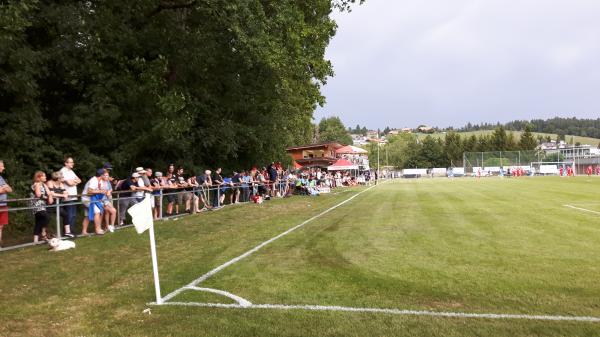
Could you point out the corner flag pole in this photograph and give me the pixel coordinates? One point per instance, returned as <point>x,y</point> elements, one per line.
<point>155,265</point>
<point>141,216</point>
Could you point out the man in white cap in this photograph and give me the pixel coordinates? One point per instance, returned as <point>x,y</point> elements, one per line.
<point>142,172</point>
<point>126,199</point>
<point>143,184</point>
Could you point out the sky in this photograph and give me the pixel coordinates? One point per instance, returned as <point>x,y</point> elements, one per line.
<point>401,63</point>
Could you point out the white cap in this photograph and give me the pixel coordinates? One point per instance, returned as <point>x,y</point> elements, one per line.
<point>135,175</point>
<point>140,170</point>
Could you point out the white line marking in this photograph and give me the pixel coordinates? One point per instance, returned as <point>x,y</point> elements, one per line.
<point>582,209</point>
<point>388,311</point>
<point>241,301</point>
<point>253,250</point>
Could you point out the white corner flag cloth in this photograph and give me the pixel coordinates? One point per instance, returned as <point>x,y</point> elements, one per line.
<point>141,214</point>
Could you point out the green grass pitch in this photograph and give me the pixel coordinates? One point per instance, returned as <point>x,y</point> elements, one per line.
<point>490,245</point>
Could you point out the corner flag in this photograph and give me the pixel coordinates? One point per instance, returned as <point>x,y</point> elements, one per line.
<point>141,215</point>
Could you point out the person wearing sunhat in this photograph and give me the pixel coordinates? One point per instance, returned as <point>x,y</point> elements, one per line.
<point>144,180</point>
<point>126,199</point>
<point>143,177</point>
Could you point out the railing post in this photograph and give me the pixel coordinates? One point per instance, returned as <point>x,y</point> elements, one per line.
<point>58,218</point>
<point>160,215</point>
<point>218,196</point>
<point>119,209</point>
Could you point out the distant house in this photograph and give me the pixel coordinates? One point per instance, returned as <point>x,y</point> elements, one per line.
<point>358,140</point>
<point>394,132</point>
<point>407,130</point>
<point>372,134</point>
<point>548,146</point>
<point>381,140</point>
<point>425,129</point>
<point>314,155</point>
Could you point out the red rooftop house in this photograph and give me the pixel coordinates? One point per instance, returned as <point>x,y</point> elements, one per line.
<point>314,155</point>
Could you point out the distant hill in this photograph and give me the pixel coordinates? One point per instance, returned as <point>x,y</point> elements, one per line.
<point>557,125</point>
<point>465,134</point>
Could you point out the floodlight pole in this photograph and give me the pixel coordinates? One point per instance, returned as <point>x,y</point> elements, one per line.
<point>574,163</point>
<point>378,173</point>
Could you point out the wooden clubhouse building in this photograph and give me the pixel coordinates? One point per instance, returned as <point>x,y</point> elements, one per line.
<point>314,155</point>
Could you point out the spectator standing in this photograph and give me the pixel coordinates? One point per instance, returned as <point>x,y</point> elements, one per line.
<point>141,189</point>
<point>4,190</point>
<point>96,192</point>
<point>253,180</point>
<point>272,172</point>
<point>261,183</point>
<point>236,183</point>
<point>71,180</point>
<point>173,181</point>
<point>205,183</point>
<point>126,198</point>
<point>145,176</point>
<point>193,187</point>
<point>217,181</point>
<point>158,183</point>
<point>182,196</point>
<point>227,184</point>
<point>246,181</point>
<point>40,198</point>
<point>110,212</point>
<point>57,188</point>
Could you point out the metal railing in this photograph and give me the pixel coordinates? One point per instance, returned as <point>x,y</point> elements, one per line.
<point>210,197</point>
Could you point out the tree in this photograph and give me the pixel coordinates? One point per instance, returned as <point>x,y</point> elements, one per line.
<point>511,144</point>
<point>332,130</point>
<point>540,139</point>
<point>527,141</point>
<point>499,139</point>
<point>431,153</point>
<point>453,148</point>
<point>484,143</point>
<point>150,82</point>
<point>402,151</point>
<point>470,144</point>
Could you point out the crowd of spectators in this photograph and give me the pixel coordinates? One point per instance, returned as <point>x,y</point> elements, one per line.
<point>106,199</point>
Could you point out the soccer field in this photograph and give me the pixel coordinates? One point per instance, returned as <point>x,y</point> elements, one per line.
<point>463,257</point>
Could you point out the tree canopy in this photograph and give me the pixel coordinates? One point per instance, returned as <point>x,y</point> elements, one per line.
<point>148,82</point>
<point>407,150</point>
<point>332,130</point>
